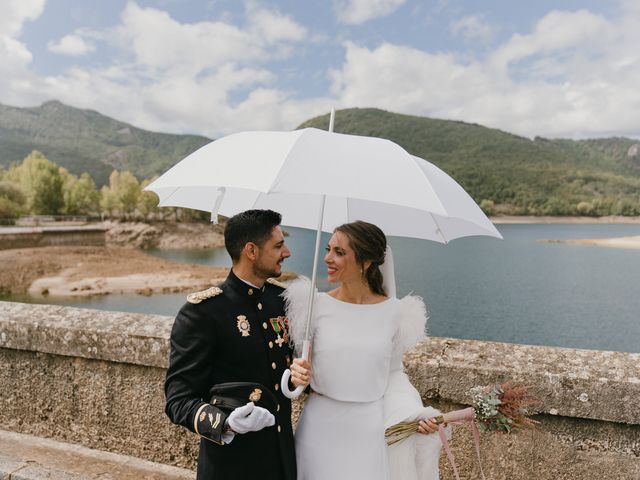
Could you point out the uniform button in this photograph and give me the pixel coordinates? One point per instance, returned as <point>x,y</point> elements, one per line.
<point>270,344</point>
<point>264,325</point>
<point>277,386</point>
<point>279,429</point>
<point>259,306</point>
<point>273,365</point>
<point>250,291</point>
<point>278,408</point>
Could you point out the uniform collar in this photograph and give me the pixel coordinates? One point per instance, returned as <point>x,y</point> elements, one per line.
<point>243,287</point>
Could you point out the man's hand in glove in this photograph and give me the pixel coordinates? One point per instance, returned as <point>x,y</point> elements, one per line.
<point>250,418</point>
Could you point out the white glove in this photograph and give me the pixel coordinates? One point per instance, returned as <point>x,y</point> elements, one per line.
<point>250,418</point>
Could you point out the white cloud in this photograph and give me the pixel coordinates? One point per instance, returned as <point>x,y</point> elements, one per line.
<point>16,81</point>
<point>575,75</point>
<point>272,26</point>
<point>209,77</point>
<point>355,12</point>
<point>16,12</point>
<point>14,55</point>
<point>160,42</point>
<point>72,45</point>
<point>473,28</point>
<point>580,31</point>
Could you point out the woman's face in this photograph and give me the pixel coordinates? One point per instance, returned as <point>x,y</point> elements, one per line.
<point>341,260</point>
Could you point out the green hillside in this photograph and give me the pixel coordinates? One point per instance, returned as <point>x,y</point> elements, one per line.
<point>521,176</point>
<point>506,173</point>
<point>86,141</point>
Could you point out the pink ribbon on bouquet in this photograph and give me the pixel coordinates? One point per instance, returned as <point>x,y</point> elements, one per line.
<point>466,415</point>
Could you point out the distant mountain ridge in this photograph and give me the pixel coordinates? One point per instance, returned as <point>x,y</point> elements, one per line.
<point>521,176</point>
<point>507,173</point>
<point>87,141</point>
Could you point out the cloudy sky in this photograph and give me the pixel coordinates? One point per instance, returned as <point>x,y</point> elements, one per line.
<point>560,68</point>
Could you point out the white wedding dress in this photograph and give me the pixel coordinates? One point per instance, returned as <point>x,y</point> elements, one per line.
<point>360,389</point>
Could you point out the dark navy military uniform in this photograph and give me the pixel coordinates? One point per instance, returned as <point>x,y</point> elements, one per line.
<point>234,333</point>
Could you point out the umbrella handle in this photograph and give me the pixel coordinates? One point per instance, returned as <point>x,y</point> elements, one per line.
<point>286,375</point>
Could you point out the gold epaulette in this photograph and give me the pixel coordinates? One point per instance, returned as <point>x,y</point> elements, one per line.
<point>197,297</point>
<point>275,282</point>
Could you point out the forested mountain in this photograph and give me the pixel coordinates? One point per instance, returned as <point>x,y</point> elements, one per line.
<point>506,173</point>
<point>521,176</point>
<point>87,141</point>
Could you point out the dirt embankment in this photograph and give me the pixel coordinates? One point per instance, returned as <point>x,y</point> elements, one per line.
<point>73,271</point>
<point>120,267</point>
<point>164,235</point>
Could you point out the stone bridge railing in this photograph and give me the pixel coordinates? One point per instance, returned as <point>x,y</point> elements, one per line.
<point>95,378</point>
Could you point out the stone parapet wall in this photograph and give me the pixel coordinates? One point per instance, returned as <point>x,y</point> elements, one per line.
<point>96,378</point>
<point>21,237</point>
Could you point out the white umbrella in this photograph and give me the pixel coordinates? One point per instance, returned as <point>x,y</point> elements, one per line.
<point>319,180</point>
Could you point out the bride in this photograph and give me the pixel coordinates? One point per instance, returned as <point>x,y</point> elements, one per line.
<point>360,331</point>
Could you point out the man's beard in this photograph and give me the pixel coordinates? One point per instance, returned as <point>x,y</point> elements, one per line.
<point>266,272</point>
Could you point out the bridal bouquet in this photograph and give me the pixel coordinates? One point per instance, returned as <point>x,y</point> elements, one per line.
<point>497,408</point>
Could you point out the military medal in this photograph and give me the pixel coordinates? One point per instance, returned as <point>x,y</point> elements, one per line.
<point>243,325</point>
<point>284,323</point>
<point>275,324</point>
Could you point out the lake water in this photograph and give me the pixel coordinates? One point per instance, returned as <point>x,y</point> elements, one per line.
<point>517,290</point>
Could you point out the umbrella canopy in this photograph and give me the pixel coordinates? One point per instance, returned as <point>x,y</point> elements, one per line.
<point>298,173</point>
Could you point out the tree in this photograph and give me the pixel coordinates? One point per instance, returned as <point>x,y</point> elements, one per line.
<point>108,200</point>
<point>128,192</point>
<point>12,200</point>
<point>122,194</point>
<point>585,208</point>
<point>148,201</point>
<point>80,194</point>
<point>41,181</point>
<point>487,206</point>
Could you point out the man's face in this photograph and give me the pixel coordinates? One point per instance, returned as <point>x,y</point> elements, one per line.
<point>270,255</point>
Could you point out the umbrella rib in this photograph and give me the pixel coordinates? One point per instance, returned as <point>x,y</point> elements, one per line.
<point>439,230</point>
<point>348,217</point>
<point>424,175</point>
<point>284,162</point>
<point>170,195</point>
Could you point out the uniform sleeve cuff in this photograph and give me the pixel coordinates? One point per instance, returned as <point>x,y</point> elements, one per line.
<point>209,423</point>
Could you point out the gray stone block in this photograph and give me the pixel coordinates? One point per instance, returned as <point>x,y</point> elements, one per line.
<point>8,466</point>
<point>36,472</point>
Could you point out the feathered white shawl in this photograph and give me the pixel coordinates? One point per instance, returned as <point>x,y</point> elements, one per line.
<point>296,298</point>
<point>412,322</point>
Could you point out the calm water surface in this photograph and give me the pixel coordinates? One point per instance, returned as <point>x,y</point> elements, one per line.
<point>518,290</point>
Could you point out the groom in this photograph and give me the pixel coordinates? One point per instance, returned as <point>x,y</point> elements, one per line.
<point>238,332</point>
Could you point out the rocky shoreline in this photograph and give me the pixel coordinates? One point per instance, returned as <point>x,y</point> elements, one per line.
<point>165,236</point>
<point>521,219</point>
<point>85,271</point>
<point>632,242</point>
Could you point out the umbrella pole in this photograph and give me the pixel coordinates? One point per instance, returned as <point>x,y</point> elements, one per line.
<point>306,344</point>
<point>313,276</point>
